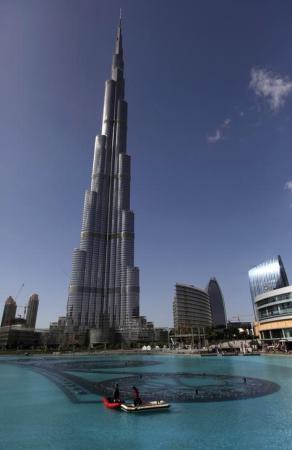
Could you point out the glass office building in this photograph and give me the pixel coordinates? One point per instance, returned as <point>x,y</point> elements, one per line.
<point>266,277</point>
<point>216,303</point>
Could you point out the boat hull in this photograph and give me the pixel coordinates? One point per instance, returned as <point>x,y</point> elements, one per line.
<point>109,403</point>
<point>156,405</point>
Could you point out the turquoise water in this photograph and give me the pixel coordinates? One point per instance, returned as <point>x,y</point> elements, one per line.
<point>35,413</point>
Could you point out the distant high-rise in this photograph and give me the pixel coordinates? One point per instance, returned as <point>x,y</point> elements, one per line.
<point>32,310</point>
<point>9,312</point>
<point>216,303</point>
<point>191,307</point>
<point>266,277</point>
<point>104,286</point>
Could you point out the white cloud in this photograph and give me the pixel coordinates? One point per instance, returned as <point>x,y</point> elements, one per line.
<point>226,123</point>
<point>288,186</point>
<point>218,136</point>
<point>273,87</point>
<point>213,139</point>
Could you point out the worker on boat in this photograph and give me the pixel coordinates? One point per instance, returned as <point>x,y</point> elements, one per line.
<point>116,395</point>
<point>136,395</point>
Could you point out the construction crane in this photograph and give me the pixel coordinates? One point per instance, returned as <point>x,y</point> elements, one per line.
<point>20,306</point>
<point>240,316</point>
<point>19,290</point>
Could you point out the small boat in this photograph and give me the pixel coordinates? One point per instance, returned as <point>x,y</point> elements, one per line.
<point>110,403</point>
<point>148,406</point>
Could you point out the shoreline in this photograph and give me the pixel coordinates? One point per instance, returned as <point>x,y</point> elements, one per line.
<point>139,352</point>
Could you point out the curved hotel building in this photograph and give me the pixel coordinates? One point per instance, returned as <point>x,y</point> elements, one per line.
<point>274,313</point>
<point>272,300</point>
<point>191,308</point>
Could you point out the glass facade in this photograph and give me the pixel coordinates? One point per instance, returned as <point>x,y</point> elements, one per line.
<point>275,310</point>
<point>276,298</point>
<point>216,303</point>
<point>266,277</point>
<point>279,333</point>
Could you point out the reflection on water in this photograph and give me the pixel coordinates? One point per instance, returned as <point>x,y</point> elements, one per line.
<point>75,378</point>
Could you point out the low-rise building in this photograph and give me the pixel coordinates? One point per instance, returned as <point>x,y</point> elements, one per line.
<point>55,334</point>
<point>16,336</point>
<point>162,335</point>
<point>274,315</point>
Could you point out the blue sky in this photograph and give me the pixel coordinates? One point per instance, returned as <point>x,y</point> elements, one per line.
<point>209,87</point>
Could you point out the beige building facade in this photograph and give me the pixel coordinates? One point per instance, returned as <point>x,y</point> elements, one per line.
<point>274,313</point>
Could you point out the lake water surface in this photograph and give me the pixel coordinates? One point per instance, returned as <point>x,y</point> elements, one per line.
<point>55,403</point>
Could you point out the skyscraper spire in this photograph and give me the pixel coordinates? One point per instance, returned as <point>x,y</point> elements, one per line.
<point>118,60</point>
<point>119,40</point>
<point>104,287</point>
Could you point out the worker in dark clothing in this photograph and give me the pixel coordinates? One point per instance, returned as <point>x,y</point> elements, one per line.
<point>136,395</point>
<point>116,393</point>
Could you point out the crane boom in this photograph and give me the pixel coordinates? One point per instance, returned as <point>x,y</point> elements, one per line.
<point>19,290</point>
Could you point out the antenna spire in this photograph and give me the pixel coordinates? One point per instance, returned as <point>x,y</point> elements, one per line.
<point>119,45</point>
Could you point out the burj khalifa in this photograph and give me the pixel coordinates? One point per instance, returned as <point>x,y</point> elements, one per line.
<point>104,285</point>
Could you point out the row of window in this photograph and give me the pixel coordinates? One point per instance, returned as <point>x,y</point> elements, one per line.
<point>277,298</point>
<point>275,310</point>
<point>280,333</point>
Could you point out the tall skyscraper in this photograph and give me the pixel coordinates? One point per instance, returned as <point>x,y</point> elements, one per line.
<point>32,310</point>
<point>216,303</point>
<point>104,286</point>
<point>9,312</point>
